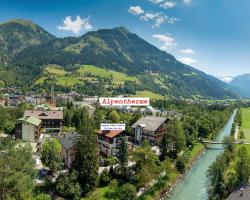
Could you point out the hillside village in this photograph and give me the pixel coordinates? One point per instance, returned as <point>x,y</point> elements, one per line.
<point>45,120</point>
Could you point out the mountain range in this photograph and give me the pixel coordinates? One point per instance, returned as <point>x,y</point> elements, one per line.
<point>242,83</point>
<point>26,51</point>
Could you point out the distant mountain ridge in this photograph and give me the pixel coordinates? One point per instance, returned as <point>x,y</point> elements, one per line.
<point>226,79</point>
<point>115,49</point>
<point>242,82</point>
<point>17,34</point>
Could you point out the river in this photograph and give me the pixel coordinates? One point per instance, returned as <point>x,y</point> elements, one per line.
<point>194,184</point>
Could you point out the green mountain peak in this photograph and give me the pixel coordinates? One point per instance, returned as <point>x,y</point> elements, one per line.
<point>30,49</point>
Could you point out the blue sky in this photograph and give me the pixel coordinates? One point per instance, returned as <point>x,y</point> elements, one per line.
<point>210,35</point>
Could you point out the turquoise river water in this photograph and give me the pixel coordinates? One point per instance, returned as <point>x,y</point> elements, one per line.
<point>194,184</point>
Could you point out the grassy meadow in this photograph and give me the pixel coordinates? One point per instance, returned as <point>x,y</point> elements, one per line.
<point>146,93</point>
<point>118,77</point>
<point>55,70</point>
<point>91,73</point>
<point>246,123</point>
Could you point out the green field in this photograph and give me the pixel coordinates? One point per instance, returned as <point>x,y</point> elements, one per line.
<point>147,93</point>
<point>67,81</point>
<point>246,145</point>
<point>118,77</point>
<point>40,80</point>
<point>87,72</point>
<point>60,76</point>
<point>55,70</point>
<point>7,76</point>
<point>246,123</point>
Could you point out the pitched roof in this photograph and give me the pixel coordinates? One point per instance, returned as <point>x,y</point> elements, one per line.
<point>44,114</point>
<point>31,120</point>
<point>110,134</point>
<point>150,123</point>
<point>68,140</point>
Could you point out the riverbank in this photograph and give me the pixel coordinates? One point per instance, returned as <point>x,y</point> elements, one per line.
<point>190,159</point>
<point>196,152</point>
<point>193,184</point>
<point>165,185</point>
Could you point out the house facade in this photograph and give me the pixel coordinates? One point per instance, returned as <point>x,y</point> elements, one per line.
<point>109,141</point>
<point>51,120</point>
<point>68,147</point>
<point>28,129</point>
<point>149,128</point>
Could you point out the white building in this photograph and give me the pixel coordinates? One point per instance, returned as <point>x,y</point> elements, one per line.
<point>109,142</point>
<point>28,129</point>
<point>149,128</point>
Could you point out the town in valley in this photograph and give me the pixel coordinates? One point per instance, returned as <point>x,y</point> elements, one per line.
<point>124,100</point>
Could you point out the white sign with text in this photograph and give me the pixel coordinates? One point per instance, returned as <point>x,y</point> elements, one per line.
<point>112,127</point>
<point>126,101</point>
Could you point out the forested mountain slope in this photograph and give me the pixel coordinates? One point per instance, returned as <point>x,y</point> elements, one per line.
<point>114,49</point>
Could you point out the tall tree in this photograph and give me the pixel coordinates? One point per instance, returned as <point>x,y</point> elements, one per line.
<point>78,117</point>
<point>114,117</point>
<point>146,160</point>
<point>86,159</point>
<point>163,147</point>
<point>243,165</point>
<point>99,117</point>
<point>51,154</point>
<point>67,186</point>
<point>123,155</point>
<point>242,135</point>
<point>176,139</point>
<point>228,143</point>
<point>16,170</point>
<point>219,186</point>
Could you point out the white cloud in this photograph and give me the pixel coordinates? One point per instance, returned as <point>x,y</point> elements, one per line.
<point>187,60</point>
<point>136,10</point>
<point>149,16</point>
<point>168,41</point>
<point>187,1</point>
<point>171,20</point>
<point>164,3</point>
<point>156,1</point>
<point>75,26</point>
<point>187,51</point>
<point>158,19</point>
<point>167,4</point>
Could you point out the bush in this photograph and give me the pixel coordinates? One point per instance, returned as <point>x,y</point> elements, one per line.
<point>104,178</point>
<point>112,193</point>
<point>42,196</point>
<point>110,161</point>
<point>51,154</point>
<point>180,165</point>
<point>9,127</point>
<point>127,192</point>
<point>68,187</point>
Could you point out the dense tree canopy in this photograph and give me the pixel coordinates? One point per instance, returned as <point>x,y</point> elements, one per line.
<point>16,170</point>
<point>86,159</point>
<point>51,154</point>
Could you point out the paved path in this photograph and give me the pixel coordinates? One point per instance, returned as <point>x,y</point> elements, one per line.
<point>236,133</point>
